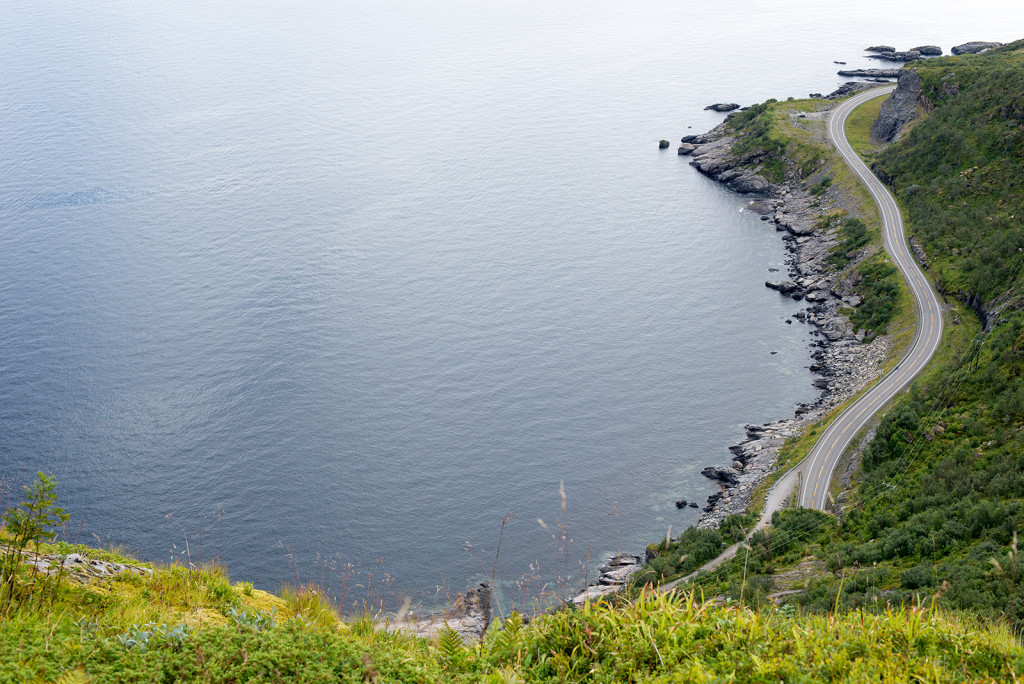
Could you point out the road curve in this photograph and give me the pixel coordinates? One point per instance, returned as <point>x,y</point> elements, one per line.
<point>816,470</point>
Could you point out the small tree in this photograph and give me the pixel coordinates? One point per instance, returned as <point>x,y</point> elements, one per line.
<point>31,523</point>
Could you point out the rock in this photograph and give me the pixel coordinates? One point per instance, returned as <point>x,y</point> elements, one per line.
<point>723,107</point>
<point>622,559</point>
<point>869,73</point>
<point>908,56</point>
<point>880,48</point>
<point>901,107</point>
<point>721,474</point>
<point>693,504</point>
<point>839,62</point>
<point>783,286</point>
<point>681,503</point>
<point>469,615</point>
<point>748,182</point>
<point>688,138</point>
<point>928,50</point>
<point>686,148</point>
<point>619,575</point>
<point>848,88</point>
<point>974,47</point>
<point>592,593</point>
<point>663,144</point>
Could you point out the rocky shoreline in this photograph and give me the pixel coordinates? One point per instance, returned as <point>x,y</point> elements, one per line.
<point>844,364</point>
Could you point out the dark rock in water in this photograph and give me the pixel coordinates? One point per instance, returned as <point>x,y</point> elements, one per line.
<point>909,56</point>
<point>839,62</point>
<point>974,47</point>
<point>686,148</point>
<point>721,474</point>
<point>688,138</point>
<point>869,73</point>
<point>929,50</point>
<point>693,504</point>
<point>880,48</point>
<point>783,286</point>
<point>681,503</point>
<point>723,107</point>
<point>663,144</point>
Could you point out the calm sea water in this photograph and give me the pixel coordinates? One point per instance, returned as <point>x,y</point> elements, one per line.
<point>337,286</point>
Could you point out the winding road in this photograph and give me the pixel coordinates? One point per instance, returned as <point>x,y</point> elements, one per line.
<point>816,470</point>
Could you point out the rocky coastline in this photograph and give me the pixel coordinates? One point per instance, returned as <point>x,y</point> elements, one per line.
<point>842,362</point>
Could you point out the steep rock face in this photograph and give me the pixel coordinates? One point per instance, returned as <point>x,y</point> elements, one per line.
<point>900,108</point>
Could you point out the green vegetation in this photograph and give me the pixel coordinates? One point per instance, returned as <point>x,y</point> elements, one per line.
<point>855,236</point>
<point>858,128</point>
<point>938,504</point>
<point>960,172</point>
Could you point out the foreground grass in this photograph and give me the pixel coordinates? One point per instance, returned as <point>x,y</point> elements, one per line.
<point>90,634</point>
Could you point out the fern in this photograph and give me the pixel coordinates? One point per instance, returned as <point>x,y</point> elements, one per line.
<point>449,647</point>
<point>76,676</point>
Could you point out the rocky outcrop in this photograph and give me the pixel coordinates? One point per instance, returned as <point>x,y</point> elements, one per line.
<point>78,568</point>
<point>722,107</point>
<point>615,574</point>
<point>974,47</point>
<point>928,50</point>
<point>716,159</point>
<point>900,108</point>
<point>869,73</point>
<point>880,48</point>
<point>908,56</point>
<point>686,148</point>
<point>845,90</point>
<point>469,615</point>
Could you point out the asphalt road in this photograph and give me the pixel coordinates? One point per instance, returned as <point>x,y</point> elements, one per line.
<point>817,469</point>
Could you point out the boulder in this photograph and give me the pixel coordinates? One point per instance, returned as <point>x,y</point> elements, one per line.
<point>928,50</point>
<point>783,286</point>
<point>749,182</point>
<point>721,474</point>
<point>880,48</point>
<point>723,107</point>
<point>688,138</point>
<point>681,503</point>
<point>974,47</point>
<point>663,144</point>
<point>686,148</point>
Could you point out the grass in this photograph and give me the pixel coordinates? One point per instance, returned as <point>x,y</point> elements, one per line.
<point>133,634</point>
<point>858,129</point>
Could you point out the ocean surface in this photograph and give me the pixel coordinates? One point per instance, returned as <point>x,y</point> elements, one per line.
<point>330,289</point>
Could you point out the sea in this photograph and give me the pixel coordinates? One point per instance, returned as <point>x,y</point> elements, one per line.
<point>394,297</point>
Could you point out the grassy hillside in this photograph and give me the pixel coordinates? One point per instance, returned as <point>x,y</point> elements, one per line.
<point>193,625</point>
